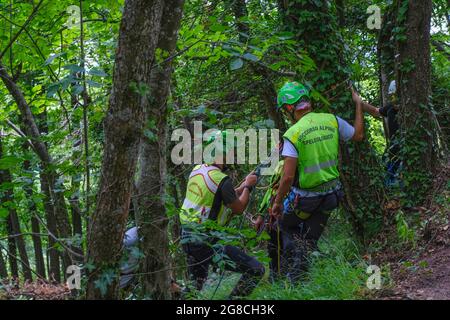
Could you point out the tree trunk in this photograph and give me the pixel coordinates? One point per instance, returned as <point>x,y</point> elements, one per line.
<point>35,227</point>
<point>62,220</point>
<point>14,223</point>
<point>340,9</point>
<point>3,270</point>
<point>20,243</point>
<point>37,244</point>
<point>178,185</point>
<point>138,37</point>
<point>53,255</point>
<point>316,28</point>
<point>77,231</point>
<point>385,53</point>
<point>53,264</point>
<point>74,199</point>
<point>152,218</point>
<point>12,248</point>
<point>77,224</point>
<point>32,131</point>
<point>421,144</point>
<point>12,251</point>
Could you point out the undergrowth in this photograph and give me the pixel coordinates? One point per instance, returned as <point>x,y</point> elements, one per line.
<point>337,272</point>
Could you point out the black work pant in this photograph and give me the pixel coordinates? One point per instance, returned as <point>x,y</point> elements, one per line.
<point>292,239</point>
<point>200,256</point>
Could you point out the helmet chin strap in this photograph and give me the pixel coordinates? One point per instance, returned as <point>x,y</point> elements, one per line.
<point>291,110</point>
<point>292,114</point>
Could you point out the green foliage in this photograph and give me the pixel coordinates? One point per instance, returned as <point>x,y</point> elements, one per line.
<point>440,84</point>
<point>223,76</point>
<point>336,272</point>
<point>236,233</point>
<point>9,162</point>
<point>406,234</point>
<point>376,135</point>
<point>105,280</point>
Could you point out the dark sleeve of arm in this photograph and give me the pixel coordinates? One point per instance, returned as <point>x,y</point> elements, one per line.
<point>384,110</point>
<point>227,191</point>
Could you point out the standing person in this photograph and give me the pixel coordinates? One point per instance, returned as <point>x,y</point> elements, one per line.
<point>309,187</point>
<point>390,112</point>
<point>209,192</point>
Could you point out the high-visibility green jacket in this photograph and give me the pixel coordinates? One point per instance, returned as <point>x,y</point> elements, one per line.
<point>316,138</point>
<point>202,186</point>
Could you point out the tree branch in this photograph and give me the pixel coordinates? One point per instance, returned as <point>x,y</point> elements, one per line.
<point>20,133</point>
<point>27,22</point>
<point>27,116</point>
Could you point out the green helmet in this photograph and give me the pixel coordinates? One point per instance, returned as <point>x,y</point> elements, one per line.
<point>290,93</point>
<point>216,136</point>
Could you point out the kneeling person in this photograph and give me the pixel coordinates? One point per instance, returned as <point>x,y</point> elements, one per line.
<point>209,191</point>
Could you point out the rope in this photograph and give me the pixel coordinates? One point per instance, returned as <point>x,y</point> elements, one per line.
<point>278,249</point>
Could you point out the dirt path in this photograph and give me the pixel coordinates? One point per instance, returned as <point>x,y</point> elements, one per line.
<point>429,279</point>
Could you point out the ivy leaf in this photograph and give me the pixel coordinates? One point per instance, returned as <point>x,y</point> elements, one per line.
<point>94,84</point>
<point>73,68</point>
<point>200,110</point>
<point>78,89</point>
<point>285,35</point>
<point>150,135</point>
<point>232,51</point>
<point>97,72</point>
<point>66,82</point>
<point>236,64</point>
<point>52,89</point>
<point>218,27</point>
<point>317,2</point>
<point>250,56</point>
<point>137,253</point>
<point>105,281</point>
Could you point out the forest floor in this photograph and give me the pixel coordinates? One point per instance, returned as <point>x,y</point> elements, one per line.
<point>421,271</point>
<point>426,277</point>
<point>430,283</point>
<point>36,290</point>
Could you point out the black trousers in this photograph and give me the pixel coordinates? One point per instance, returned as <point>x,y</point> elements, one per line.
<point>201,255</point>
<point>292,239</point>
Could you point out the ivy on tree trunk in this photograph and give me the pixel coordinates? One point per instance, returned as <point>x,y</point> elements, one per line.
<point>130,96</point>
<point>151,187</point>
<point>315,27</point>
<point>421,144</point>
